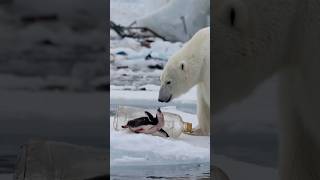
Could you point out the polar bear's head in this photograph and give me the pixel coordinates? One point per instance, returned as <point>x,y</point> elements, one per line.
<point>251,42</point>
<point>180,74</point>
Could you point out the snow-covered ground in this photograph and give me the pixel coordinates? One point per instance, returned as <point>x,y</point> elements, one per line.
<point>143,150</point>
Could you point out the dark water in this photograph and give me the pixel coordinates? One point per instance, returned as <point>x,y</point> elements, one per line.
<point>182,171</point>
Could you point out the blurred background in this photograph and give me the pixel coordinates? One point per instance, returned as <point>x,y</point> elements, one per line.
<point>53,74</point>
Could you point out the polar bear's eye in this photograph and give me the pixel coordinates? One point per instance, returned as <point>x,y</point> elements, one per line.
<point>235,14</point>
<point>168,82</point>
<point>182,66</point>
<point>232,16</point>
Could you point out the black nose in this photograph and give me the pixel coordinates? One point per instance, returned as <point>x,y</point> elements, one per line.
<point>160,100</point>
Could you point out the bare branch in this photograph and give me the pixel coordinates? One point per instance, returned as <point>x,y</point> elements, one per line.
<point>134,32</point>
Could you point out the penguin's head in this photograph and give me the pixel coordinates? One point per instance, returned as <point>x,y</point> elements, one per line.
<point>159,114</point>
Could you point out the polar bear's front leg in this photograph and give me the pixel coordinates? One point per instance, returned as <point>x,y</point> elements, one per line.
<point>299,147</point>
<point>203,114</point>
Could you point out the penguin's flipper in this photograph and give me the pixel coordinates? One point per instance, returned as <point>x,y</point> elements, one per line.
<point>153,120</point>
<point>164,132</point>
<point>149,115</point>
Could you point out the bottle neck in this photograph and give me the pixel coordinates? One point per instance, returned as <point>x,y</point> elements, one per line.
<point>187,127</point>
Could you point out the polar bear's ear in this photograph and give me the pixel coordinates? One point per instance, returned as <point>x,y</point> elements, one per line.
<point>182,66</point>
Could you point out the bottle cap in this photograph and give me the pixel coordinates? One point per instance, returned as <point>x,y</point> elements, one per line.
<point>187,127</point>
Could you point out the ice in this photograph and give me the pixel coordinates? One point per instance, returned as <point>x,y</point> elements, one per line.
<point>141,149</point>
<point>154,150</point>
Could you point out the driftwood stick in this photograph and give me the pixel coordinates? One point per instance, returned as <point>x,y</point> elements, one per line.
<point>123,31</point>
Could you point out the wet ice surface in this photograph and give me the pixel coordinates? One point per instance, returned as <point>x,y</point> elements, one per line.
<point>182,171</point>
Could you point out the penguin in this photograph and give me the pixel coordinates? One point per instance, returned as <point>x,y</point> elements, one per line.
<point>148,124</point>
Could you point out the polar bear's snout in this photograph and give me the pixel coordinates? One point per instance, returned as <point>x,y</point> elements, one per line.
<point>164,94</point>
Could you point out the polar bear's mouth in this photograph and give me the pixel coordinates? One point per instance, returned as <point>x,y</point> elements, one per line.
<point>169,98</point>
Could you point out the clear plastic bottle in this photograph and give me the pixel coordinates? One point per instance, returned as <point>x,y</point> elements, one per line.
<point>174,125</point>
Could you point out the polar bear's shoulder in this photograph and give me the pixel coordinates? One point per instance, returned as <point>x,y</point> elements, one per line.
<point>202,35</point>
<point>204,31</point>
<point>200,41</point>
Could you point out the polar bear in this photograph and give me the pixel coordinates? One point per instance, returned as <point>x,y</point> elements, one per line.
<point>252,41</point>
<point>188,67</point>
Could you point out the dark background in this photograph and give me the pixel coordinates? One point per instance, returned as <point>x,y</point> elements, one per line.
<point>54,80</point>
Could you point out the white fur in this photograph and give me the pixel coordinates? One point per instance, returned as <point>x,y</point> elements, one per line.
<point>195,56</point>
<point>267,37</point>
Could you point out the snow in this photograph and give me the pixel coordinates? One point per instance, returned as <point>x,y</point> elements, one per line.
<point>179,20</point>
<point>151,94</point>
<point>130,65</point>
<point>125,12</point>
<point>163,16</point>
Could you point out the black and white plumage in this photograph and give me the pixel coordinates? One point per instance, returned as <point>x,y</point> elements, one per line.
<point>147,124</point>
